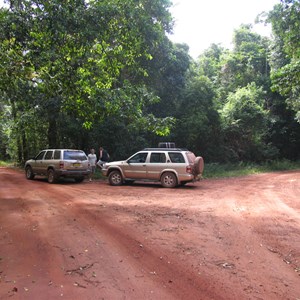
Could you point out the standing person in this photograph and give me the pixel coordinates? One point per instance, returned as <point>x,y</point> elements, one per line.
<point>92,157</point>
<point>103,157</point>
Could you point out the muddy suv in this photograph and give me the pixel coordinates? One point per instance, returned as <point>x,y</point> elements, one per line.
<point>171,167</point>
<point>56,163</point>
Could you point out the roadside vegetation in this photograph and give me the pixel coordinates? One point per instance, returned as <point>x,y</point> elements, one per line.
<point>5,164</point>
<point>216,170</point>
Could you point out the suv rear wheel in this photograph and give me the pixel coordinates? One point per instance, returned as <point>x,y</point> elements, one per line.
<point>168,180</point>
<point>115,178</point>
<point>79,179</point>
<point>51,176</point>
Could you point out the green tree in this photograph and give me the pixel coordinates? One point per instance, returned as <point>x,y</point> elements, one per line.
<point>198,124</point>
<point>167,75</point>
<point>209,62</point>
<point>245,125</point>
<point>284,130</point>
<point>285,20</point>
<point>80,61</point>
<point>247,63</point>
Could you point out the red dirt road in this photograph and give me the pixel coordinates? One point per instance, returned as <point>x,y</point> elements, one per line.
<point>216,239</point>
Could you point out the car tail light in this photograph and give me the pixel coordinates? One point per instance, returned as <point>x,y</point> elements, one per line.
<point>189,169</point>
<point>61,164</point>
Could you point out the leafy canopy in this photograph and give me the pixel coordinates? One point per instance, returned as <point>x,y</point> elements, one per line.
<point>285,20</point>
<point>84,57</point>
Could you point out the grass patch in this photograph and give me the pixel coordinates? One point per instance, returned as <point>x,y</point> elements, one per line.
<point>98,174</point>
<point>6,163</point>
<point>216,170</point>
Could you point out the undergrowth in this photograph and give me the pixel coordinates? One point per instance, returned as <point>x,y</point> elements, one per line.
<point>216,170</point>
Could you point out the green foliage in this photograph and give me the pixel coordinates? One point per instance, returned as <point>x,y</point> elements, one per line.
<point>209,63</point>
<point>198,126</point>
<point>78,62</point>
<point>285,20</point>
<point>5,163</point>
<point>244,109</point>
<point>167,76</point>
<point>216,170</point>
<point>284,130</point>
<point>82,74</point>
<point>247,63</point>
<point>245,123</point>
<point>286,81</point>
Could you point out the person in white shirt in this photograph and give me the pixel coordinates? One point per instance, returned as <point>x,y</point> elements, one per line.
<point>92,157</point>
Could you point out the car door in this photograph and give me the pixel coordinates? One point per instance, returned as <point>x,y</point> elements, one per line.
<point>135,167</point>
<point>37,163</point>
<point>178,163</point>
<point>156,164</point>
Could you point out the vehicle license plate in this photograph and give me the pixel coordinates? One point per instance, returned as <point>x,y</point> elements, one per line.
<point>76,165</point>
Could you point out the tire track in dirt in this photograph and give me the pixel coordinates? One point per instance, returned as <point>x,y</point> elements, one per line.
<point>143,279</point>
<point>217,239</point>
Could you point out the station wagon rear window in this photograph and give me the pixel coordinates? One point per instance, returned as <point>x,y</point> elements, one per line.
<point>74,155</point>
<point>176,157</point>
<point>57,154</point>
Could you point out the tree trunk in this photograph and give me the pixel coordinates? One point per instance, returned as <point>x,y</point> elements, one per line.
<point>52,133</point>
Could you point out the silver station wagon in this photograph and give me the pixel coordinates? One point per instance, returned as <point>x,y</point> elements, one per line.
<point>170,166</point>
<point>56,163</point>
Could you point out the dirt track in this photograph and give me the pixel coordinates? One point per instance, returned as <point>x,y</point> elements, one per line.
<point>216,239</point>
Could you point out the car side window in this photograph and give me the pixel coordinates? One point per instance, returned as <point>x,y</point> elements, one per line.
<point>176,157</point>
<point>138,158</point>
<point>57,154</point>
<point>40,155</point>
<point>49,154</point>
<point>158,158</point>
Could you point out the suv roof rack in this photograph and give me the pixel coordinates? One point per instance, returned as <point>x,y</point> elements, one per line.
<point>165,149</point>
<point>166,145</point>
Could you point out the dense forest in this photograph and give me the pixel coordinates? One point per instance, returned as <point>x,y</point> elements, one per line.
<point>80,74</point>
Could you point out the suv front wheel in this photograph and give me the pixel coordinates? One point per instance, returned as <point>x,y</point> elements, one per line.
<point>168,180</point>
<point>115,178</point>
<point>29,173</point>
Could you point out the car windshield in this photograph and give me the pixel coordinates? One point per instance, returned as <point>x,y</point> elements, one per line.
<point>74,155</point>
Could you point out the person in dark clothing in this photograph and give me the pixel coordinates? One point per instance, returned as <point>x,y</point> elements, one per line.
<point>103,157</point>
